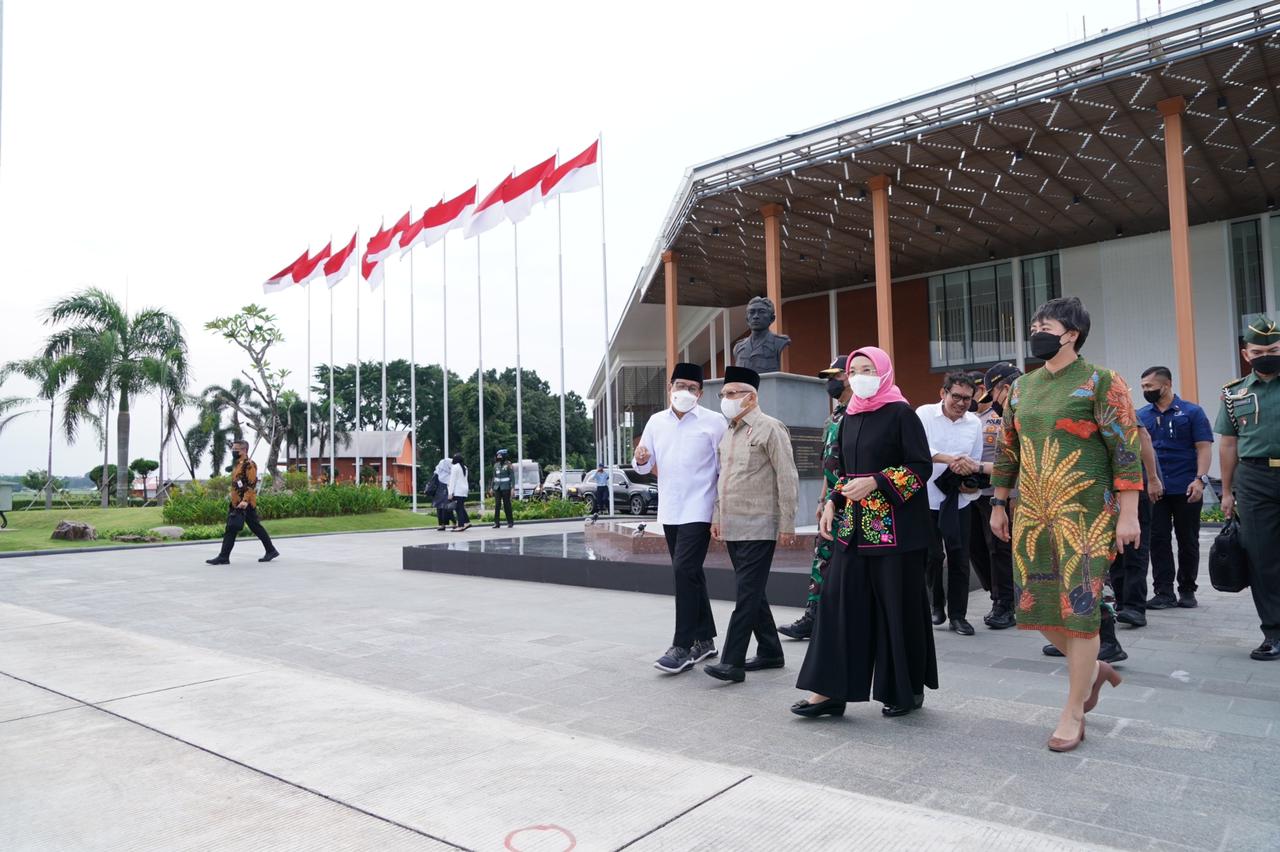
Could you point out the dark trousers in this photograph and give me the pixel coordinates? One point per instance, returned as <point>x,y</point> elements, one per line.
<point>1257,491</point>
<point>1129,569</point>
<point>236,520</point>
<point>992,558</point>
<point>751,616</point>
<point>460,516</point>
<point>444,514</point>
<point>687,544</point>
<point>501,500</point>
<point>1174,514</point>
<point>955,599</point>
<point>602,499</point>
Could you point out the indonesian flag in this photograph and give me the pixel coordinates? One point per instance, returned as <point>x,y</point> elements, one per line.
<point>282,279</point>
<point>519,193</point>
<point>371,271</point>
<point>380,245</point>
<point>582,172</point>
<point>488,214</point>
<point>383,243</point>
<point>447,215</point>
<point>410,237</point>
<point>305,270</point>
<point>339,265</point>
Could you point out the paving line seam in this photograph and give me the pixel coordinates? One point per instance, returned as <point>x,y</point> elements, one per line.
<point>38,715</point>
<point>247,766</point>
<point>42,624</point>
<point>683,813</point>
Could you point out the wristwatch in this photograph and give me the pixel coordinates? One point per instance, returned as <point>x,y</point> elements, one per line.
<point>1204,479</point>
<point>996,501</point>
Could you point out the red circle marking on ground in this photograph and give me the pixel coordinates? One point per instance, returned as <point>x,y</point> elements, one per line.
<point>573,841</point>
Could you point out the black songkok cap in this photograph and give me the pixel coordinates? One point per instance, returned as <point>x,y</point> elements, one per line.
<point>688,372</point>
<point>733,375</point>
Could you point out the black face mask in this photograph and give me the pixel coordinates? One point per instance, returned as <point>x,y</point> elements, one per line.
<point>835,388</point>
<point>1152,396</point>
<point>1266,364</point>
<point>997,408</point>
<point>1045,344</point>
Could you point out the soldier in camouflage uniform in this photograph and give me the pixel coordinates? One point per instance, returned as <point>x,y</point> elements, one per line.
<point>837,389</point>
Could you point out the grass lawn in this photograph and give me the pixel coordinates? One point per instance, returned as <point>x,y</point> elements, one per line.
<point>31,530</point>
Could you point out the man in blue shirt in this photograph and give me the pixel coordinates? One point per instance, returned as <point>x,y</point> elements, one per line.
<point>1183,442</point>
<point>601,480</point>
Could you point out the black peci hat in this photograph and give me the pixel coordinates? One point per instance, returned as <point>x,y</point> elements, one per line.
<point>733,375</point>
<point>688,372</point>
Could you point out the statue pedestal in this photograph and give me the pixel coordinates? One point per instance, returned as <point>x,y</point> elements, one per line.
<point>801,402</point>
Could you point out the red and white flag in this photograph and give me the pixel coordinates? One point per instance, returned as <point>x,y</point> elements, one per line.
<point>305,270</point>
<point>371,271</point>
<point>339,265</point>
<point>383,243</point>
<point>282,279</point>
<point>447,215</point>
<point>488,214</point>
<point>380,245</point>
<point>520,192</point>
<point>410,237</point>
<point>582,172</point>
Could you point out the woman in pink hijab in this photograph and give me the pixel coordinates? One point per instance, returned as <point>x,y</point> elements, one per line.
<point>873,637</point>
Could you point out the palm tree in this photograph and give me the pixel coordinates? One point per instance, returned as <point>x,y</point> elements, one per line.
<point>48,374</point>
<point>231,400</point>
<point>7,406</point>
<point>113,356</point>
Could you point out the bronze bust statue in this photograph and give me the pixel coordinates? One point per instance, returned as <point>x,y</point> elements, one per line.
<point>762,350</point>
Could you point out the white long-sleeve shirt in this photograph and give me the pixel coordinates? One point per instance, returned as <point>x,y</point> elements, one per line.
<point>684,450</point>
<point>961,437</point>
<point>457,481</point>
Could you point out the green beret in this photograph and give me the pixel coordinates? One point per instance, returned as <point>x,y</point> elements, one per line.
<point>1261,331</point>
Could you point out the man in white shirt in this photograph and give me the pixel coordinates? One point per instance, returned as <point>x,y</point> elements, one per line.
<point>955,440</point>
<point>679,444</point>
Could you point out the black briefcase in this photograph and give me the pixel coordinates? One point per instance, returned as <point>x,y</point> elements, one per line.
<point>1228,562</point>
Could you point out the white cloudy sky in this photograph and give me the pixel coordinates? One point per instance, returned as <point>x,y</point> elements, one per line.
<point>185,151</point>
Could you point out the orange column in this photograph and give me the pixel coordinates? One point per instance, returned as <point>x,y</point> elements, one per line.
<point>879,186</point>
<point>669,265</point>
<point>772,214</point>
<point>1179,239</point>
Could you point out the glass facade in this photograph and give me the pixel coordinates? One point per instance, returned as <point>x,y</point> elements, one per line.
<point>971,317</point>
<point>1246,271</point>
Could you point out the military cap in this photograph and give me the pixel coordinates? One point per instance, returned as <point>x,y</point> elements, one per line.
<point>837,366</point>
<point>1261,331</point>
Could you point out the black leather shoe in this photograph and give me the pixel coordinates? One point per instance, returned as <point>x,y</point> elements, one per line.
<point>892,710</point>
<point>1162,602</point>
<point>218,560</point>
<point>1268,650</point>
<point>830,707</point>
<point>1111,652</point>
<point>939,616</point>
<point>801,628</point>
<point>1051,650</point>
<point>267,557</point>
<point>724,671</point>
<point>1001,620</point>
<point>959,625</point>
<point>755,664</point>
<point>1188,600</point>
<point>1132,617</point>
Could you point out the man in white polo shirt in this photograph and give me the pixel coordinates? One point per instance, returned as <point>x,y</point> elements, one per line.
<point>680,443</point>
<point>955,440</point>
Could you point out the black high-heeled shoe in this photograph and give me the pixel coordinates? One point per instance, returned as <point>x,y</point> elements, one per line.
<point>809,710</point>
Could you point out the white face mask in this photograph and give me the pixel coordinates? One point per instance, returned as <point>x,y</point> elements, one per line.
<point>683,401</point>
<point>731,408</point>
<point>863,385</point>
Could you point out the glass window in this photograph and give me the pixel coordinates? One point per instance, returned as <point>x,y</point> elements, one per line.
<point>1041,281</point>
<point>1246,271</point>
<point>971,316</point>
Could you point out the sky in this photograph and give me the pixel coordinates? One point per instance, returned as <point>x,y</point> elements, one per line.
<point>177,154</point>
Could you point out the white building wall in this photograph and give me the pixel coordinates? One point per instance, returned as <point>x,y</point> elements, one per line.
<point>1127,286</point>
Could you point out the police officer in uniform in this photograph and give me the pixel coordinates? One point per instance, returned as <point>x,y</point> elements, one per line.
<point>503,479</point>
<point>1249,455</point>
<point>837,389</point>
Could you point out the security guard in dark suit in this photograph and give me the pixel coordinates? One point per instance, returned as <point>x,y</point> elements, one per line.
<point>1249,454</point>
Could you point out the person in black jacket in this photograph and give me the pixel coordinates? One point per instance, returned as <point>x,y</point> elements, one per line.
<point>873,637</point>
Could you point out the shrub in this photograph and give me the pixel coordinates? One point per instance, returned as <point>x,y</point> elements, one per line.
<point>134,535</point>
<point>323,501</point>
<point>202,532</point>
<point>534,510</point>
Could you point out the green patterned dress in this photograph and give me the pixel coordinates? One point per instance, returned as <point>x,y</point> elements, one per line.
<point>1069,443</point>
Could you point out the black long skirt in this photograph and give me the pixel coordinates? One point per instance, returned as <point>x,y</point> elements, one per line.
<point>873,637</point>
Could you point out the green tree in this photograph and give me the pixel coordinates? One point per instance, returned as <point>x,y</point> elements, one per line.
<point>255,331</point>
<point>8,414</point>
<point>95,475</point>
<point>143,467</point>
<point>114,356</point>
<point>49,375</point>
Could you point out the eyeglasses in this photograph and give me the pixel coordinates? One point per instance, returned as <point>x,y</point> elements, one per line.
<point>733,394</point>
<point>691,388</point>
<point>957,397</point>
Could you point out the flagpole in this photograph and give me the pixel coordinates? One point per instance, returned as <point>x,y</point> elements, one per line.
<point>413,392</point>
<point>480,371</point>
<point>332,407</point>
<point>515,241</point>
<point>564,483</point>
<point>358,426</point>
<point>308,382</point>
<point>382,472</point>
<point>444,292</point>
<point>604,277</point>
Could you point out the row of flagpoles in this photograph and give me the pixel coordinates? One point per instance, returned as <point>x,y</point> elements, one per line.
<point>511,200</point>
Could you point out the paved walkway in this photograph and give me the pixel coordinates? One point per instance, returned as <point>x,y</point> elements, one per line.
<point>331,700</point>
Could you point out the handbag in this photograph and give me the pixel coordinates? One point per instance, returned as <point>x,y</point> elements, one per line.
<point>1228,561</point>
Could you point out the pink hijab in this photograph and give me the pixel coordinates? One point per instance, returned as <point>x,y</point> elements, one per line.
<point>888,390</point>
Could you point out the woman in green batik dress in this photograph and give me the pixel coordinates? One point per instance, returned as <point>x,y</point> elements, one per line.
<point>1070,446</point>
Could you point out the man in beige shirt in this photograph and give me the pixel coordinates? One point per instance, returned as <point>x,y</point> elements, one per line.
<point>755,509</point>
